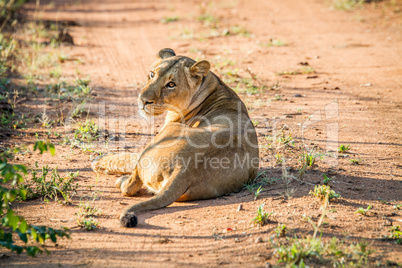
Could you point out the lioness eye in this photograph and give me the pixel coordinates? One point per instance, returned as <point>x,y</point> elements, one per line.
<point>171,85</point>
<point>151,75</point>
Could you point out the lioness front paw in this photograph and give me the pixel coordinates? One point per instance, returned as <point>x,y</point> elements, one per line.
<point>120,181</point>
<point>128,221</point>
<point>100,164</point>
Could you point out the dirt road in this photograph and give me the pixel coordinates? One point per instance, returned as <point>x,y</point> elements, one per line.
<point>331,77</point>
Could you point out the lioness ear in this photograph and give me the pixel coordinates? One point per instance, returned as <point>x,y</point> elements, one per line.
<point>200,68</point>
<point>166,53</point>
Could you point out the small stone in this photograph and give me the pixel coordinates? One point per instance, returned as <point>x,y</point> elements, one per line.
<point>258,240</point>
<point>297,95</point>
<point>240,207</point>
<point>366,85</point>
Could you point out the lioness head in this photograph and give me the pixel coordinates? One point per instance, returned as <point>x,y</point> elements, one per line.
<point>171,84</point>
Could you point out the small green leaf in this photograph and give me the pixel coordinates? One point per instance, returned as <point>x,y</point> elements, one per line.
<point>23,226</point>
<point>52,150</point>
<point>53,237</point>
<point>34,235</point>
<point>3,165</point>
<point>23,194</point>
<point>32,250</point>
<point>23,236</point>
<point>11,220</point>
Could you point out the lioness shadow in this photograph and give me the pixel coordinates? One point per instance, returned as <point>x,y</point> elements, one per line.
<point>350,187</point>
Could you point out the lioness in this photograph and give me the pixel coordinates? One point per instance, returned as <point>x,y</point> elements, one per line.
<point>206,148</point>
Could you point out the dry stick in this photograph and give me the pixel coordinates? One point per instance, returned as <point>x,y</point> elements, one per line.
<point>260,192</point>
<point>7,6</point>
<point>324,212</point>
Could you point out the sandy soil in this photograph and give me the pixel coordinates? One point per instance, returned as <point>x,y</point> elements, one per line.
<point>353,97</point>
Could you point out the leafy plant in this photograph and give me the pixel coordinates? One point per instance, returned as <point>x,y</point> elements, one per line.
<point>44,147</point>
<point>327,179</point>
<point>382,201</point>
<point>348,4</point>
<point>257,192</point>
<point>398,206</point>
<point>277,98</point>
<point>279,158</point>
<point>304,70</point>
<point>395,234</point>
<point>343,148</point>
<point>262,217</point>
<point>169,19</point>
<point>363,211</point>
<point>88,223</point>
<point>83,89</point>
<point>307,70</point>
<point>236,30</point>
<point>13,225</point>
<point>355,161</point>
<point>87,209</point>
<point>280,230</point>
<point>285,140</point>
<point>86,131</point>
<point>295,72</point>
<point>361,249</point>
<point>208,20</point>
<point>56,72</point>
<point>256,186</point>
<point>244,83</point>
<point>298,252</point>
<point>56,187</point>
<point>308,158</point>
<point>321,191</point>
<point>6,119</point>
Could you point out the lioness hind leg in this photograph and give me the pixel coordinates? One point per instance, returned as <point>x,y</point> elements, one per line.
<point>115,163</point>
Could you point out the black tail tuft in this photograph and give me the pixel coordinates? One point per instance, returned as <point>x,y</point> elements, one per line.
<point>128,221</point>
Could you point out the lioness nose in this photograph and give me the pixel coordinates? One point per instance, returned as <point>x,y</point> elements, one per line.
<point>145,102</point>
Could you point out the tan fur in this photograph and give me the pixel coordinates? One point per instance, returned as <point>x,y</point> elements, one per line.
<point>205,120</point>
